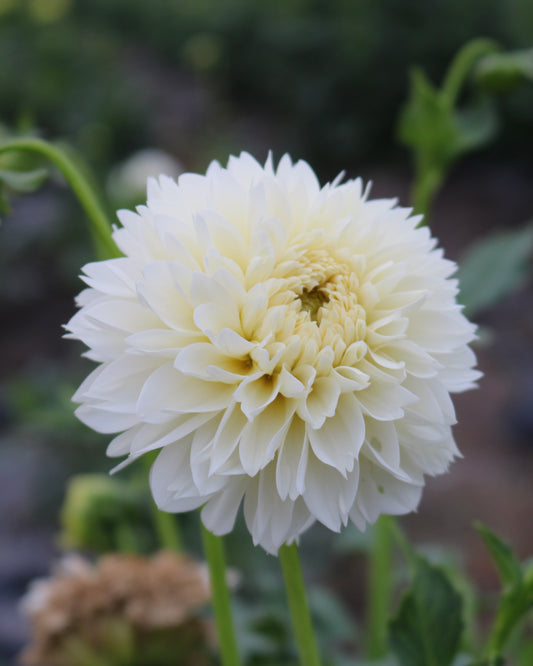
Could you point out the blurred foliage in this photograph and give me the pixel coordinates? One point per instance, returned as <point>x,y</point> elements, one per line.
<point>495,267</point>
<point>331,74</point>
<point>104,514</point>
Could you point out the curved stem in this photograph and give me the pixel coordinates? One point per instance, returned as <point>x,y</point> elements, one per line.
<point>301,620</point>
<point>214,552</point>
<point>379,588</point>
<point>100,226</point>
<point>461,65</point>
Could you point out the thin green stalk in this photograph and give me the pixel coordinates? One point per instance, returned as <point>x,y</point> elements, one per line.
<point>167,529</point>
<point>100,225</point>
<point>462,64</point>
<point>301,619</point>
<point>165,524</point>
<point>379,588</point>
<point>214,552</point>
<point>428,181</point>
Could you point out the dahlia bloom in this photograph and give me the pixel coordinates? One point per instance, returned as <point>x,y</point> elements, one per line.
<point>284,344</point>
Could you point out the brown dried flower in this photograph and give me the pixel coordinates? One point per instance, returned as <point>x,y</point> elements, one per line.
<point>123,610</point>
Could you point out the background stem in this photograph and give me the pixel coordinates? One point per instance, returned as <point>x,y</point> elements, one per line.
<point>301,620</point>
<point>214,552</point>
<point>100,225</point>
<point>379,588</point>
<point>165,524</point>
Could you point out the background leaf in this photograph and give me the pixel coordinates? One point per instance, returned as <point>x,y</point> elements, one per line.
<point>501,72</point>
<point>23,181</point>
<point>494,267</point>
<point>428,626</point>
<point>505,560</point>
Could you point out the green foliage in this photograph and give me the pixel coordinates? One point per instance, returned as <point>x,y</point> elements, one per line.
<point>17,174</point>
<point>331,73</point>
<point>436,131</point>
<point>23,181</point>
<point>517,592</point>
<point>494,267</point>
<point>102,514</point>
<point>502,72</point>
<point>505,560</point>
<point>427,628</point>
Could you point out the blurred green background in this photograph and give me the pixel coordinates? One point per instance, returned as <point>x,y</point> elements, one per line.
<point>201,79</point>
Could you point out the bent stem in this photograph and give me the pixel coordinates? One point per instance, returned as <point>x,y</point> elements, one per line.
<point>379,588</point>
<point>100,226</point>
<point>301,620</point>
<point>214,552</point>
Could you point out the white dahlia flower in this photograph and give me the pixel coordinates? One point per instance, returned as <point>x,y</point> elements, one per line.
<point>284,344</point>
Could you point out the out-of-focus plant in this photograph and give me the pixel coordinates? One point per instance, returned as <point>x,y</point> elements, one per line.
<point>494,267</point>
<point>103,514</point>
<point>439,129</point>
<point>329,72</point>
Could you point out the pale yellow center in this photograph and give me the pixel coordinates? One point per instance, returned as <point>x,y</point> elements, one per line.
<point>319,293</point>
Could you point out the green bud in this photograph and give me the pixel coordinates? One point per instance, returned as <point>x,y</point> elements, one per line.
<point>97,511</point>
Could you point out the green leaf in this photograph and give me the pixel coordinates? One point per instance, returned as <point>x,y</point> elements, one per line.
<point>427,628</point>
<point>494,267</point>
<point>426,123</point>
<point>505,560</point>
<point>502,72</point>
<point>23,181</point>
<point>476,125</point>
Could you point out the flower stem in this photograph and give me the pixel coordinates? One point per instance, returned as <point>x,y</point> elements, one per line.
<point>461,66</point>
<point>100,225</point>
<point>165,523</point>
<point>294,585</point>
<point>379,588</point>
<point>214,552</point>
<point>167,529</point>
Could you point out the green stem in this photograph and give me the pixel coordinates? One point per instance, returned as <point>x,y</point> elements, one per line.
<point>379,588</point>
<point>461,66</point>
<point>508,617</point>
<point>126,539</point>
<point>427,183</point>
<point>214,552</point>
<point>301,620</point>
<point>100,226</point>
<point>165,523</point>
<point>167,529</point>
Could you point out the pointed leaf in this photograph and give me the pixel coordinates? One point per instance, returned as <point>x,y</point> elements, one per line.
<point>494,267</point>
<point>476,125</point>
<point>426,124</point>
<point>427,628</point>
<point>23,181</point>
<point>505,560</point>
